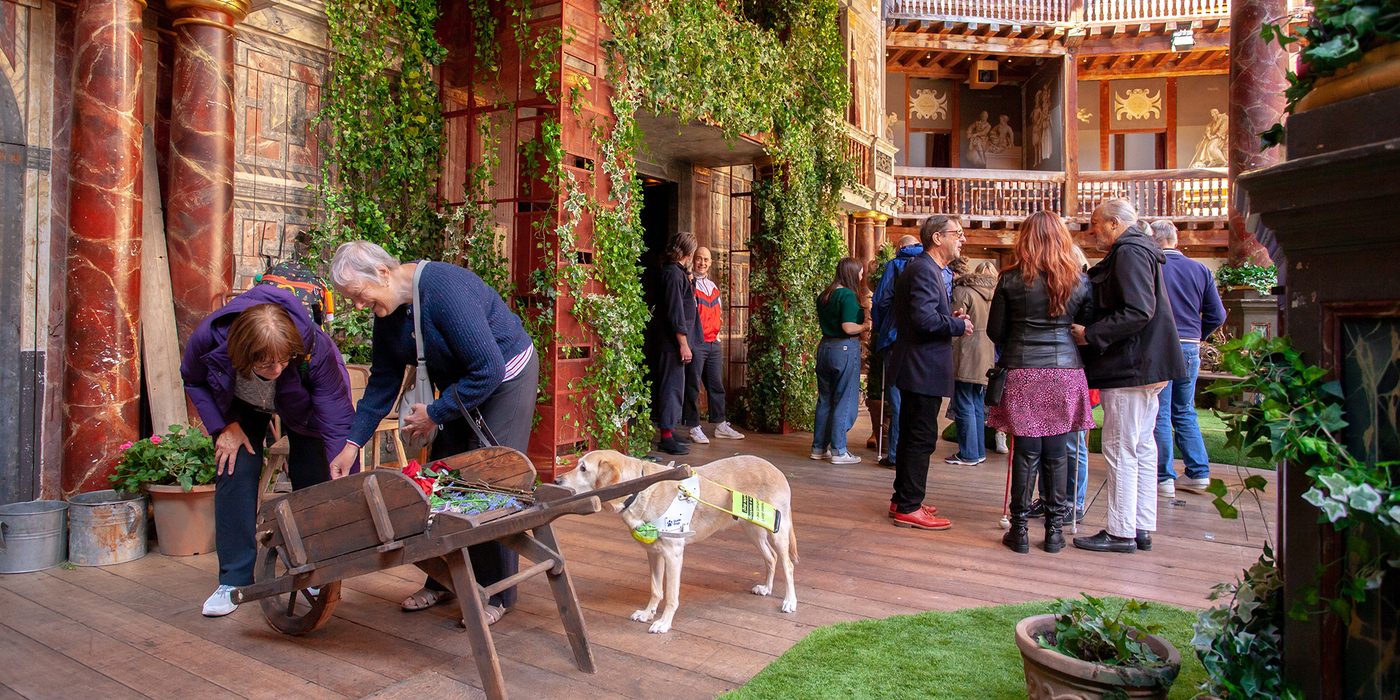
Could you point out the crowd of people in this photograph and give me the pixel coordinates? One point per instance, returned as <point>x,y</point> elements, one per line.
<point>1029,353</point>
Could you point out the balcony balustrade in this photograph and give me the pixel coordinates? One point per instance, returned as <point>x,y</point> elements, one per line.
<point>1032,12</point>
<point>1199,194</point>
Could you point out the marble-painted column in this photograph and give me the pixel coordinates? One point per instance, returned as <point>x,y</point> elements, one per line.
<point>199,206</point>
<point>102,385</point>
<point>1257,83</point>
<point>879,232</point>
<point>864,249</point>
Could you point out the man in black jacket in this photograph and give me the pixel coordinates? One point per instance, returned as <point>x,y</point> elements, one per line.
<point>921,364</point>
<point>1131,352</point>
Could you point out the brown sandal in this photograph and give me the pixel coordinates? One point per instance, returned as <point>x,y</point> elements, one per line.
<point>425,598</point>
<point>494,613</point>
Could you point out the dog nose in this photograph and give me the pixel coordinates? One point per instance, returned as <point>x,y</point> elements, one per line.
<point>559,480</point>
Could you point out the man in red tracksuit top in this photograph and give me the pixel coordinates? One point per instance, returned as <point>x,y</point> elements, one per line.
<point>708,362</point>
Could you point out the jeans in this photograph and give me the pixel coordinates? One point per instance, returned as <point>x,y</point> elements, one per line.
<point>1128,416</point>
<point>838,391</point>
<point>1079,451</point>
<point>920,429</point>
<point>1176,413</point>
<point>970,407</point>
<point>705,369</point>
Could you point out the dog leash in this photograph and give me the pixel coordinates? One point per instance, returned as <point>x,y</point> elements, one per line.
<point>744,506</point>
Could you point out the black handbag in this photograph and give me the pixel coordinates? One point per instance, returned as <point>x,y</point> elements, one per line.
<point>996,385</point>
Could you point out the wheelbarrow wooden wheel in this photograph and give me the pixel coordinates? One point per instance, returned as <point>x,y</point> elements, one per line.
<point>299,612</point>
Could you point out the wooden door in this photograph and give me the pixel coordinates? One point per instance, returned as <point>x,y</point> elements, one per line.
<point>17,465</point>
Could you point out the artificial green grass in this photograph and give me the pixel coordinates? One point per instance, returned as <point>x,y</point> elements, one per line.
<point>967,653</point>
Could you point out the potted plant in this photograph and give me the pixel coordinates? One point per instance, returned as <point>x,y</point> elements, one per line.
<point>177,470</point>
<point>1082,649</point>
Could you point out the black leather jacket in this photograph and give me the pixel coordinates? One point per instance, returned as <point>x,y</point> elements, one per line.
<point>1025,333</point>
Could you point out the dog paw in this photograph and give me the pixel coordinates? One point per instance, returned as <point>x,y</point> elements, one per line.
<point>790,605</point>
<point>643,615</point>
<point>761,589</point>
<point>660,627</point>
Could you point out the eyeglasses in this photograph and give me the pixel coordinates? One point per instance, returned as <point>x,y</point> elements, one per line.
<point>961,235</point>
<point>268,366</point>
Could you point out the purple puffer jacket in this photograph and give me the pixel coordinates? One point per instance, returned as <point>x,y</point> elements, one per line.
<point>318,407</point>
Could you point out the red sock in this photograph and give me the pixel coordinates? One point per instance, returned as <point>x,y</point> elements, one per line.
<point>666,432</point>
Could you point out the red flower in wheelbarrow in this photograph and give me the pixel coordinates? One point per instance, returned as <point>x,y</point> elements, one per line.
<point>415,472</point>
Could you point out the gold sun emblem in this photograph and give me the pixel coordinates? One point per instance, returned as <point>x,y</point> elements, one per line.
<point>1137,104</point>
<point>927,104</point>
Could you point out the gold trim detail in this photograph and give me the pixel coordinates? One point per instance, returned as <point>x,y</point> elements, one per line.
<point>238,9</point>
<point>204,23</point>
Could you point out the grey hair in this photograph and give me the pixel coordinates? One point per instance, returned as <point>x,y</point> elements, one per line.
<point>1079,256</point>
<point>359,261</point>
<point>1120,209</point>
<point>1164,232</point>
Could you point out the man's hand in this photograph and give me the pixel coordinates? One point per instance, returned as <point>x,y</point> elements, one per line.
<point>686,355</point>
<point>343,462</point>
<point>417,423</point>
<point>226,447</point>
<point>967,321</point>
<point>1076,331</point>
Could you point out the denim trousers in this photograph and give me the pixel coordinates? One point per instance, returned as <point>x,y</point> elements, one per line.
<point>838,392</point>
<point>970,409</point>
<point>704,371</point>
<point>1079,452</point>
<point>1176,416</point>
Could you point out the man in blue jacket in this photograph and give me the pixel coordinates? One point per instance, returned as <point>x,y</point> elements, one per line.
<point>884,335</point>
<point>1197,311</point>
<point>921,364</point>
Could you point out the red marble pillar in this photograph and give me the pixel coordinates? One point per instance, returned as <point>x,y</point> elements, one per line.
<point>199,207</point>
<point>102,384</point>
<point>1257,83</point>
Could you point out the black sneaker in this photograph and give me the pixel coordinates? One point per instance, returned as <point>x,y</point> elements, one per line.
<point>1079,515</point>
<point>1104,542</point>
<point>1144,540</point>
<point>886,462</point>
<point>1037,509</point>
<point>671,447</point>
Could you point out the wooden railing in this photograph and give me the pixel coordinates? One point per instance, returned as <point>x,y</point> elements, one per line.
<point>1014,194</point>
<point>862,157</point>
<point>1007,11</point>
<point>1109,11</point>
<point>983,193</point>
<point>1177,194</point>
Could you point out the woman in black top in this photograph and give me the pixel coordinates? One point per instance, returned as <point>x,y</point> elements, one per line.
<point>673,320</point>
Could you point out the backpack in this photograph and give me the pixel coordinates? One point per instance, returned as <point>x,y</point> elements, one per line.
<point>303,283</point>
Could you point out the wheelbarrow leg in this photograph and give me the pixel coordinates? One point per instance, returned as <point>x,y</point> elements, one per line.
<point>567,600</point>
<point>474,620</point>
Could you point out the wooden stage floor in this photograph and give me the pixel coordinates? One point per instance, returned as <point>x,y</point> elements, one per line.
<point>134,630</point>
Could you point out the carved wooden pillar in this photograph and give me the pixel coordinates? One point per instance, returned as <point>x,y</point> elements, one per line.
<point>864,248</point>
<point>199,208</point>
<point>879,233</point>
<point>103,378</point>
<point>1257,83</point>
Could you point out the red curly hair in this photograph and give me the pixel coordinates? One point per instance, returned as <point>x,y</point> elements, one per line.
<point>1044,249</point>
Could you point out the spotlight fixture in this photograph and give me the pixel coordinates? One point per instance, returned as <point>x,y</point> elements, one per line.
<point>1183,40</point>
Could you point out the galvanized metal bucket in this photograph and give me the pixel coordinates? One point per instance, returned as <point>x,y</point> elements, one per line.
<point>33,536</point>
<point>106,527</point>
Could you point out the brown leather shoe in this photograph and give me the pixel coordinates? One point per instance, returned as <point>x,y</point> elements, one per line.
<point>921,519</point>
<point>931,510</point>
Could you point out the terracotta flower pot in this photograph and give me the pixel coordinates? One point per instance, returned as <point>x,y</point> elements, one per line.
<point>184,520</point>
<point>1378,69</point>
<point>1050,674</point>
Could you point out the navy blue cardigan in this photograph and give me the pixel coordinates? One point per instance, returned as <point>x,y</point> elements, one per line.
<point>468,336</point>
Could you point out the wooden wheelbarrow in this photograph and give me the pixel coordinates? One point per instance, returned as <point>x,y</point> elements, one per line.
<point>310,540</point>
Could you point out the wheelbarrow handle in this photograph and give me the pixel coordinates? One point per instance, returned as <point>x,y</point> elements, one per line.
<point>627,488</point>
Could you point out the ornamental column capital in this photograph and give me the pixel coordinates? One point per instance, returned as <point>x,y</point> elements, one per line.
<point>185,9</point>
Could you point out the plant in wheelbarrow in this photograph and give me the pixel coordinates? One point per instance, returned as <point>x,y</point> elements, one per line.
<point>1095,648</point>
<point>177,470</point>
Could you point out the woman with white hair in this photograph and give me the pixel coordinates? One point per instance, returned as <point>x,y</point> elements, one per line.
<point>479,357</point>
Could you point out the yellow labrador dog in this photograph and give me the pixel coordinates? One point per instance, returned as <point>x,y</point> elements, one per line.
<point>750,475</point>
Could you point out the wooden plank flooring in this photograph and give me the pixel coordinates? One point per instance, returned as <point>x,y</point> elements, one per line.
<point>134,630</point>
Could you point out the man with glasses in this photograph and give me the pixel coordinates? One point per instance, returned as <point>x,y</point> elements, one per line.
<point>921,364</point>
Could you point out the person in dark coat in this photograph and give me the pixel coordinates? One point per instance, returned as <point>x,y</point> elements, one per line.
<point>883,336</point>
<point>479,358</point>
<point>1131,351</point>
<point>671,295</point>
<point>261,355</point>
<point>921,364</point>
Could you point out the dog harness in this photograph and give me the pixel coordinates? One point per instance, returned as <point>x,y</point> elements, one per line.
<point>675,522</point>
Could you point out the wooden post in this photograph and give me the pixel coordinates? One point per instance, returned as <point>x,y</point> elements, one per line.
<point>160,343</point>
<point>1069,84</point>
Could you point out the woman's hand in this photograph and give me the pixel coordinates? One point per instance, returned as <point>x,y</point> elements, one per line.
<point>417,423</point>
<point>226,447</point>
<point>1076,331</point>
<point>345,461</point>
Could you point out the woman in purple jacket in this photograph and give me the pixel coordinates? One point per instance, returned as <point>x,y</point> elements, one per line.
<point>257,356</point>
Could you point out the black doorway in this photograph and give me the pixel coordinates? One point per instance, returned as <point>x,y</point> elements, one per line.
<point>18,480</point>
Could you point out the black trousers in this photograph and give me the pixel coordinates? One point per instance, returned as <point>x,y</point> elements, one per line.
<point>918,432</point>
<point>236,494</point>
<point>667,374</point>
<point>706,367</point>
<point>508,412</point>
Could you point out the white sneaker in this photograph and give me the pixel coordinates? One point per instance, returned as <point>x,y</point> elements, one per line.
<point>1199,485</point>
<point>1166,489</point>
<point>220,603</point>
<point>999,443</point>
<point>845,458</point>
<point>697,436</point>
<point>727,431</point>
<point>824,454</point>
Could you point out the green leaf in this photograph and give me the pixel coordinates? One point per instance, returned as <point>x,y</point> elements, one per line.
<point>1217,488</point>
<point>1255,482</point>
<point>1226,510</point>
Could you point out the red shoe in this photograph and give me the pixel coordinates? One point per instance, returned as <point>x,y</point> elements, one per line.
<point>931,510</point>
<point>922,520</point>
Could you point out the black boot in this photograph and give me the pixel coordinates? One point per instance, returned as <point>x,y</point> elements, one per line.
<point>1017,539</point>
<point>1023,465</point>
<point>1054,483</point>
<point>670,446</point>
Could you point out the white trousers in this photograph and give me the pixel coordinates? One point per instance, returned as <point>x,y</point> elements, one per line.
<point>1129,419</point>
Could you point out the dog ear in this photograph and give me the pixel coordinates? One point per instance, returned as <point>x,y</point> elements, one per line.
<point>609,471</point>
